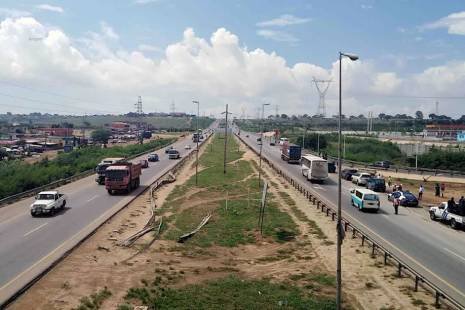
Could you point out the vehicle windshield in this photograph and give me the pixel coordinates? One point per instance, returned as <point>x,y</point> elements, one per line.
<point>101,168</point>
<point>370,197</point>
<point>45,197</point>
<point>409,195</point>
<point>115,175</point>
<point>377,181</point>
<point>173,152</point>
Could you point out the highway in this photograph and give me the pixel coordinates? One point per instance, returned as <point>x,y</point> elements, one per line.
<point>433,249</point>
<point>30,245</point>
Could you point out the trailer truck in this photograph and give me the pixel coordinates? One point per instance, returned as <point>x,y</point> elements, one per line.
<point>291,153</point>
<point>122,177</point>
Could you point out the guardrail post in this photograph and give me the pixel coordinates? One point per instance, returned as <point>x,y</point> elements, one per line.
<point>417,279</point>
<point>327,211</point>
<point>363,240</point>
<point>373,249</point>
<point>436,303</point>
<point>399,270</point>
<point>354,232</point>
<point>386,256</point>
<point>333,215</point>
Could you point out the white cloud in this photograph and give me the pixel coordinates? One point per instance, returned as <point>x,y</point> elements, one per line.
<point>13,13</point>
<point>284,20</point>
<point>366,6</point>
<point>280,36</point>
<point>108,31</point>
<point>455,23</point>
<point>218,70</point>
<point>149,48</point>
<point>51,8</point>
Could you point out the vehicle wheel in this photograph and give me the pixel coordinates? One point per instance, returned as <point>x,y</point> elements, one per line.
<point>33,214</point>
<point>64,204</point>
<point>432,216</point>
<point>110,192</point>
<point>352,203</point>
<point>453,224</point>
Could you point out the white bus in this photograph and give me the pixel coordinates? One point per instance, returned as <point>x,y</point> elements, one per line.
<point>314,168</point>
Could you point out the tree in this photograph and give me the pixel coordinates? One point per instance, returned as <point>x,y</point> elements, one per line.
<point>419,115</point>
<point>3,153</point>
<point>101,135</point>
<point>432,116</point>
<point>381,116</point>
<point>283,115</point>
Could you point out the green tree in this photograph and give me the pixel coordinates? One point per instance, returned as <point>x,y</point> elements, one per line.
<point>101,135</point>
<point>419,115</point>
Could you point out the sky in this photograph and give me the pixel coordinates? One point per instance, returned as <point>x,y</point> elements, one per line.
<point>94,57</point>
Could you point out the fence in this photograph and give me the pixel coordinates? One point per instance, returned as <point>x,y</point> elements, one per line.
<point>377,248</point>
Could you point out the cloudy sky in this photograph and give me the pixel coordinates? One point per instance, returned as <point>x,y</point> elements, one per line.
<point>76,57</point>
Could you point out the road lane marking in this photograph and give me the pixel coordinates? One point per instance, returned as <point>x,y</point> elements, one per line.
<point>92,198</point>
<point>12,218</point>
<point>451,252</point>
<point>35,229</point>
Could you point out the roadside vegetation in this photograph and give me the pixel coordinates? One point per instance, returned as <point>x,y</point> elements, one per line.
<point>222,253</point>
<point>442,159</point>
<point>17,176</point>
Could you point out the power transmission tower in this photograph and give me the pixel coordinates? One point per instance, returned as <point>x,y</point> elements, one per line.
<point>322,92</point>
<point>437,107</point>
<point>173,107</point>
<point>243,110</point>
<point>138,106</point>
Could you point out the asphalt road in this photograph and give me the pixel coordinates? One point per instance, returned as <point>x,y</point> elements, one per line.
<point>26,241</point>
<point>432,248</point>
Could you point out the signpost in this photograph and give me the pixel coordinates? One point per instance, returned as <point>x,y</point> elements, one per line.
<point>262,207</point>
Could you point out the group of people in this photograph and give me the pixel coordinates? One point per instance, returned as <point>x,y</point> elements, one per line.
<point>457,208</point>
<point>439,189</point>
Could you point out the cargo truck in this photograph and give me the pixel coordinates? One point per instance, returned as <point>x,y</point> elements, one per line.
<point>102,166</point>
<point>122,177</point>
<point>291,153</point>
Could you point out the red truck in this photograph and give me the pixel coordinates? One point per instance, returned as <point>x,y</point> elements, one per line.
<point>124,176</point>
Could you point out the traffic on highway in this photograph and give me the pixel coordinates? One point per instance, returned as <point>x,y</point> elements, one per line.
<point>435,250</point>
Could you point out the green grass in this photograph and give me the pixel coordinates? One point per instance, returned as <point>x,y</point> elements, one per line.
<point>230,293</point>
<point>18,176</point>
<point>238,222</point>
<point>94,301</point>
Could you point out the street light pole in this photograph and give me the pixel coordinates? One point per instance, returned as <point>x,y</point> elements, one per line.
<point>339,189</point>
<point>197,140</point>
<point>261,145</point>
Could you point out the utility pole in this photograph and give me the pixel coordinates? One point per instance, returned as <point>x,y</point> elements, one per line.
<point>261,145</point>
<point>197,140</point>
<point>225,137</point>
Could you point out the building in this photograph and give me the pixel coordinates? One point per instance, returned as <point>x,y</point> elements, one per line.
<point>57,132</point>
<point>444,131</point>
<point>120,127</point>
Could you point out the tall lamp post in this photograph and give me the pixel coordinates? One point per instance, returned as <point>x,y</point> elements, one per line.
<point>197,140</point>
<point>261,145</point>
<point>339,228</point>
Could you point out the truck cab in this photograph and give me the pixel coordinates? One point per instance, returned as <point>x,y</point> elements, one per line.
<point>124,176</point>
<point>455,216</point>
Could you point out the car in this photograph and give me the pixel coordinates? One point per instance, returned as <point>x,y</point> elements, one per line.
<point>259,139</point>
<point>144,163</point>
<point>331,167</point>
<point>187,147</point>
<point>48,202</point>
<point>407,199</point>
<point>173,154</point>
<point>376,184</point>
<point>168,149</point>
<point>153,157</point>
<point>382,164</point>
<point>272,143</point>
<point>283,141</point>
<point>364,199</point>
<point>347,173</point>
<point>361,178</point>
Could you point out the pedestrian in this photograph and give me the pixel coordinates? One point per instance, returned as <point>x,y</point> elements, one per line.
<point>437,190</point>
<point>399,188</point>
<point>443,189</point>
<point>395,204</point>
<point>462,205</point>
<point>389,181</point>
<point>420,192</point>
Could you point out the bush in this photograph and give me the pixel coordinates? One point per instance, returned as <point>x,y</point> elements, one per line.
<point>444,160</point>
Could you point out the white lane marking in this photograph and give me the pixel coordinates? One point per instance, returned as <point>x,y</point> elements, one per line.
<point>35,229</point>
<point>319,188</point>
<point>92,198</point>
<point>12,218</point>
<point>451,252</point>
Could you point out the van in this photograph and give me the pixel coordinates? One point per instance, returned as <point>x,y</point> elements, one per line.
<point>364,199</point>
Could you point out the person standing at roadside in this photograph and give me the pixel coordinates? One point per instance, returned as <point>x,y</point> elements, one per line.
<point>443,189</point>
<point>395,204</point>
<point>437,190</point>
<point>420,192</point>
<point>389,181</point>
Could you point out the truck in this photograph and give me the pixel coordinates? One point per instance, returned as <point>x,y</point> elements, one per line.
<point>103,165</point>
<point>122,177</point>
<point>291,153</point>
<point>454,215</point>
<point>48,202</point>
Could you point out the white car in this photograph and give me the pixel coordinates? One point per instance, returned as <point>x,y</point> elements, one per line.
<point>361,178</point>
<point>283,141</point>
<point>187,147</point>
<point>48,203</point>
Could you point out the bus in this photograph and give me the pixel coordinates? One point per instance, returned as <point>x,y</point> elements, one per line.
<point>314,168</point>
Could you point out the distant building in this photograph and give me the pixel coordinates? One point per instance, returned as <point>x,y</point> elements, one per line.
<point>57,132</point>
<point>120,127</point>
<point>444,131</point>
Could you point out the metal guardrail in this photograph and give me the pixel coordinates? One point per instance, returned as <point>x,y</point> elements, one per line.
<point>377,248</point>
<point>157,181</point>
<point>13,198</point>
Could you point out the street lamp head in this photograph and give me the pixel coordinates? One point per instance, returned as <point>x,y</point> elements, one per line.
<point>352,57</point>
<point>195,101</point>
<point>264,104</point>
